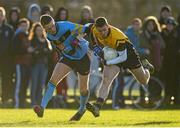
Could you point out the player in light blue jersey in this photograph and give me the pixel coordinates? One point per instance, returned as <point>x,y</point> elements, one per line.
<point>73,49</point>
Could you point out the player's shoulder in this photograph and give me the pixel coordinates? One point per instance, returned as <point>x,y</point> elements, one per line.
<point>115,29</point>
<point>63,22</point>
<point>117,32</point>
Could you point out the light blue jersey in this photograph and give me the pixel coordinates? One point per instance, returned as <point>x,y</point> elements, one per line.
<point>66,34</point>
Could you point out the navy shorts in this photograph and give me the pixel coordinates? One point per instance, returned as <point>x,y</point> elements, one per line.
<point>81,66</point>
<point>133,59</point>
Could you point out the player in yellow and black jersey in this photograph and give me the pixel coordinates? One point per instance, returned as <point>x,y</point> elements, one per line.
<point>102,34</point>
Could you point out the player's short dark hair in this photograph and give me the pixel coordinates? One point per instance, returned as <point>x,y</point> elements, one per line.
<point>45,19</point>
<point>101,21</point>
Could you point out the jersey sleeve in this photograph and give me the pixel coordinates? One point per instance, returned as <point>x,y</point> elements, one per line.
<point>75,28</point>
<point>121,41</point>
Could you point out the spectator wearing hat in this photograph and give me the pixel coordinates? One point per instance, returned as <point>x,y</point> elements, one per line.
<point>14,16</point>
<point>165,12</point>
<point>169,67</point>
<point>33,14</point>
<point>47,9</point>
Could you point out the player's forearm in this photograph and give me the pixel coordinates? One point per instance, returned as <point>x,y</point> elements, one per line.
<point>122,56</point>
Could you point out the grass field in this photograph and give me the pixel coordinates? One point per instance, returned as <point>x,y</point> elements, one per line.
<point>120,118</point>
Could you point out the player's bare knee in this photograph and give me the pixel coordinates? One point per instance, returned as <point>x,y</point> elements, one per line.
<point>106,80</point>
<point>143,81</point>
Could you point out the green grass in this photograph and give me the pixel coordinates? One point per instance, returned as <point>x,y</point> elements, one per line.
<point>60,117</point>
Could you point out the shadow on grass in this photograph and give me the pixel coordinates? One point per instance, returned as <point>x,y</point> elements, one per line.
<point>154,123</point>
<point>74,104</point>
<point>14,124</point>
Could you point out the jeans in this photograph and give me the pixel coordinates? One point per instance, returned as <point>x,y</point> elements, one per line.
<point>39,75</point>
<point>22,81</point>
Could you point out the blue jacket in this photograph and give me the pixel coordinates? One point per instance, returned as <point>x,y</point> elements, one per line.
<point>134,38</point>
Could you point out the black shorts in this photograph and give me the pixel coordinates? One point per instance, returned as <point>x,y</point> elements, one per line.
<point>81,66</point>
<point>133,59</point>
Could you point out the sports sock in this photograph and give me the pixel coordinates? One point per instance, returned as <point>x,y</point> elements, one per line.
<point>48,94</point>
<point>83,101</point>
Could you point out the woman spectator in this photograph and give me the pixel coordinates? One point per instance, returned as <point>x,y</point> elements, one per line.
<point>152,42</point>
<point>40,52</point>
<point>62,14</point>
<point>153,45</point>
<point>86,15</point>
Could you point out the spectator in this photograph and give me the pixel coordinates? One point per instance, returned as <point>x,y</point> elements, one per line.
<point>178,58</point>
<point>40,62</point>
<point>6,70</point>
<point>165,12</point>
<point>153,45</point>
<point>169,71</point>
<point>47,9</point>
<point>22,52</point>
<point>62,14</point>
<point>152,42</point>
<point>86,15</point>
<point>14,16</point>
<point>133,31</point>
<point>34,12</point>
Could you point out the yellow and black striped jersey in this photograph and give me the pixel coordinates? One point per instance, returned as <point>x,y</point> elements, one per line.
<point>115,38</point>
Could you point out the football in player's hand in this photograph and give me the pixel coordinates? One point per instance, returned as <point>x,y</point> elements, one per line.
<point>109,53</point>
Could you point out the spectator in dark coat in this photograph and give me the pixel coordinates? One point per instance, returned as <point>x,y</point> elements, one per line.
<point>6,70</point>
<point>169,71</point>
<point>14,16</point>
<point>22,55</point>
<point>151,40</point>
<point>47,9</point>
<point>165,12</point>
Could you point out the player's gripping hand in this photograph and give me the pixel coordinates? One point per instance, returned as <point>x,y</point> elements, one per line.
<point>98,51</point>
<point>103,61</point>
